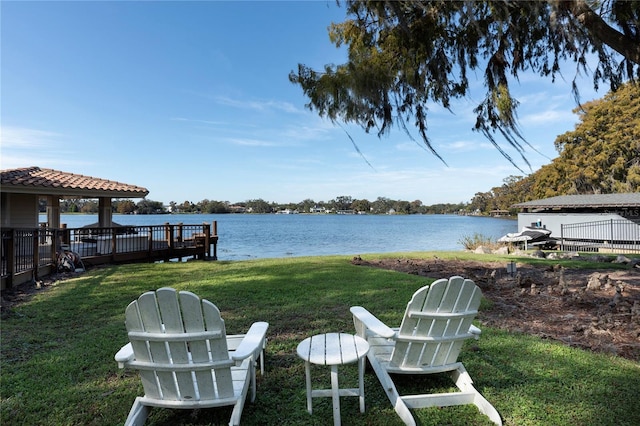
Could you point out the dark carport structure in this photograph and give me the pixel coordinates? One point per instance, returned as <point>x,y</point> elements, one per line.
<point>587,222</point>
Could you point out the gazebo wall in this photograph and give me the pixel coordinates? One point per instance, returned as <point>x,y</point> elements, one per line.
<point>19,210</point>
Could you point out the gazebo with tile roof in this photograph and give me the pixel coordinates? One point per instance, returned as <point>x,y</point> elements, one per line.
<point>22,188</point>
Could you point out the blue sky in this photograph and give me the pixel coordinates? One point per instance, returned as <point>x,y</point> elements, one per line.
<point>192,101</point>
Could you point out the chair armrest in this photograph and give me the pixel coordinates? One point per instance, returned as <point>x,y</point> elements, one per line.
<point>253,342</point>
<point>475,331</point>
<point>371,322</point>
<point>124,355</point>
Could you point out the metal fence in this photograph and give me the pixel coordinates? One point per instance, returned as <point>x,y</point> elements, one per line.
<point>30,248</point>
<point>612,236</point>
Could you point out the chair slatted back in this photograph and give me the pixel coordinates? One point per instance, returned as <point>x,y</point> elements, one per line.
<point>180,347</point>
<point>436,323</point>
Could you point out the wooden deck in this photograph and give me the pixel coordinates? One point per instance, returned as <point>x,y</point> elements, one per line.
<point>28,254</point>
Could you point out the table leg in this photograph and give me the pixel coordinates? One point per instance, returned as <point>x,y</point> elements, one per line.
<point>361,362</point>
<point>335,395</point>
<point>307,373</point>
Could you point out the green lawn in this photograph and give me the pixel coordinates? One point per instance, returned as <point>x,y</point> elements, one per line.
<point>57,365</point>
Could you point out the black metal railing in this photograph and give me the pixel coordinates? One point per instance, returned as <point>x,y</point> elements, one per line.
<point>29,249</point>
<point>613,235</point>
<point>130,239</point>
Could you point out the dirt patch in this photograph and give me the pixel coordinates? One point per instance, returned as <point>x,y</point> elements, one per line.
<point>598,310</point>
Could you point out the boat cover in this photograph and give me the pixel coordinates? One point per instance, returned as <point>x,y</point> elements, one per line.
<point>527,234</point>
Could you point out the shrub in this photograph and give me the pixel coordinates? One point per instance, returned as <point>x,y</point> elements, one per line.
<point>477,240</point>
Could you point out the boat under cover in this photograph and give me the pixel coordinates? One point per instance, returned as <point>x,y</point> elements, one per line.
<point>528,234</point>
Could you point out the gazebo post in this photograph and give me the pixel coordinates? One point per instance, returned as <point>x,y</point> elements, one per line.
<point>53,211</point>
<point>105,215</point>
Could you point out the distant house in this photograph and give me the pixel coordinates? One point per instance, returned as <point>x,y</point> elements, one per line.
<point>499,213</point>
<point>597,219</point>
<point>21,190</point>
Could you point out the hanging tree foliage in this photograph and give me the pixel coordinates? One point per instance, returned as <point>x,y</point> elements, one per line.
<point>404,54</point>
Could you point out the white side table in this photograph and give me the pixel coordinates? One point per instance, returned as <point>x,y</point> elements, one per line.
<point>334,349</point>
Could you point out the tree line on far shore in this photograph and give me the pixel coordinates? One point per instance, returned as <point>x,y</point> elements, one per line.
<point>341,204</point>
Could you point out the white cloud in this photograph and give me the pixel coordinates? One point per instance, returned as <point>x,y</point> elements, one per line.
<point>548,116</point>
<point>24,147</point>
<point>306,132</point>
<point>411,146</point>
<point>468,145</point>
<point>193,120</point>
<point>61,161</point>
<point>258,105</point>
<point>23,138</point>
<point>253,142</point>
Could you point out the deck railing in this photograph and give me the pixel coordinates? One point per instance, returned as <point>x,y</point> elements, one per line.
<point>612,236</point>
<point>28,254</point>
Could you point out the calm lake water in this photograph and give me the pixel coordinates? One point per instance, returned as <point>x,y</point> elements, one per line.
<point>250,236</point>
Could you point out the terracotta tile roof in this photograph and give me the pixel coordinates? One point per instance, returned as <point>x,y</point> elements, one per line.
<point>54,182</point>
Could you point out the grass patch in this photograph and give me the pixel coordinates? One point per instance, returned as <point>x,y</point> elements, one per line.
<point>57,350</point>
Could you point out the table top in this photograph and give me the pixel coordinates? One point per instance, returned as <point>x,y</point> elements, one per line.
<point>332,348</point>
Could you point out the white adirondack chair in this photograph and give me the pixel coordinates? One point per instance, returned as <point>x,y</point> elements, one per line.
<point>179,345</point>
<point>435,324</point>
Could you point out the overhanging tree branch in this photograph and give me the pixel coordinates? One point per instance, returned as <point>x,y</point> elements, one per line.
<point>405,54</point>
<point>626,45</point>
